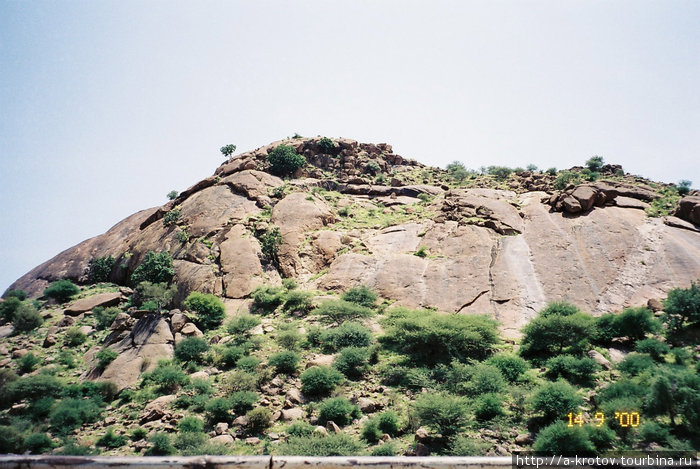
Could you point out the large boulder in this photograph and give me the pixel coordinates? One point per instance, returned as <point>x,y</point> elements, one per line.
<point>483,207</point>
<point>89,303</point>
<point>689,209</point>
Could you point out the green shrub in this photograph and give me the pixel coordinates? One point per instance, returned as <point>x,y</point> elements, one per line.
<point>209,308</point>
<point>488,406</point>
<point>575,370</point>
<point>30,388</point>
<point>100,269</point>
<point>229,355</point>
<point>38,443</point>
<point>372,167</point>
<point>284,362</point>
<point>27,318</point>
<point>160,445</point>
<point>268,298</point>
<point>298,302</point>
<point>636,363</point>
<point>353,362</point>
<point>683,187</point>
<point>361,295</point>
<point>512,367</point>
<point>61,290</point>
<point>172,195</point>
<point>191,349</point>
<point>248,363</point>
<point>227,150</point>
<point>284,160</point>
<point>21,295</point>
<point>270,242</point>
<point>457,171</point>
<point>9,307</point>
<point>338,444</point>
<point>431,338</point>
<point>558,439</point>
<point>327,146</point>
<point>684,303</point>
<point>218,410</point>
<point>422,252</point>
<point>171,217</point>
<point>558,308</point>
<point>594,163</point>
<point>66,358</point>
<point>564,178</point>
<point>111,440</point>
<point>319,380</point>
<point>154,296</point>
<point>499,172</point>
<point>243,401</point>
<point>288,337</point>
<point>656,349</point>
<point>104,317</point>
<point>105,357</point>
<point>551,171</point>
<point>259,419</point>
<point>190,424</point>
<point>553,333</point>
<point>300,428</point>
<point>10,440</point>
<point>348,334</point>
<point>73,337</point>
<point>191,443</point>
<point>242,324</point>
<point>72,413</point>
<point>340,311</point>
<point>445,413</point>
<point>601,437</point>
<point>39,409</point>
<point>466,446</point>
<point>95,390</point>
<point>27,363</point>
<point>339,410</point>
<point>652,432</point>
<point>155,268</point>
<point>636,323</point>
<point>553,400</point>
<point>485,379</point>
<point>386,449</point>
<point>370,431</point>
<point>388,422</point>
<point>167,377</point>
<point>138,433</point>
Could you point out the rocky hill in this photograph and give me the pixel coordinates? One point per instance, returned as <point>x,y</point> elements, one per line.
<point>358,222</point>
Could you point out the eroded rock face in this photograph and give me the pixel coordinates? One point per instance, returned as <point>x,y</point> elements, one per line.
<point>584,197</point>
<point>689,209</point>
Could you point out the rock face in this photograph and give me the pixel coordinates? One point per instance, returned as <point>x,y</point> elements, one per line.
<point>476,250</point>
<point>87,304</point>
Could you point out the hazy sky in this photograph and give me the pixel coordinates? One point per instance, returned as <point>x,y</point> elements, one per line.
<point>106,106</point>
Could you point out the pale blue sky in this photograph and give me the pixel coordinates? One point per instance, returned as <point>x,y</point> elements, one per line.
<point>107,106</point>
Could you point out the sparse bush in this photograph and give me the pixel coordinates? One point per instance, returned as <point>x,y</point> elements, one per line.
<point>422,252</point>
<point>512,367</point>
<point>191,349</point>
<point>259,419</point>
<point>595,163</point>
<point>499,172</point>
<point>171,217</point>
<point>559,439</point>
<point>30,388</point>
<point>155,268</point>
<point>104,317</point>
<point>38,443</point>
<point>348,334</point>
<point>73,337</point>
<point>21,295</point>
<point>267,298</point>
<point>248,363</point>
<point>339,311</point>
<point>684,187</point>
<point>564,178</point>
<point>320,380</point>
<point>72,413</point>
<point>466,446</point>
<point>27,318</point>
<point>338,410</point>
<point>183,235</point>
<point>431,338</point>
<point>388,422</point>
<point>66,358</point>
<point>483,379</point>
<point>100,269</point>
<point>242,324</point>
<point>554,332</point>
<point>227,150</point>
<point>138,433</point>
<point>10,440</point>
<point>531,167</point>
<point>551,171</point>
<point>284,362</point>
<point>656,349</point>
<point>457,171</point>
<point>361,295</point>
<point>284,160</point>
<point>370,431</point>
<point>338,444</point>
<point>575,370</point>
<point>327,146</point>
<point>488,406</point>
<point>353,362</point>
<point>160,445</point>
<point>172,195</point>
<point>386,449</point>
<point>372,167</point>
<point>167,377</point>
<point>445,413</point>
<point>652,432</point>
<point>553,400</point>
<point>636,323</point>
<point>191,443</point>
<point>9,307</point>
<point>61,290</point>
<point>105,357</point>
<point>209,308</point>
<point>111,440</point>
<point>243,401</point>
<point>288,337</point>
<point>298,302</point>
<point>300,428</point>
<point>27,363</point>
